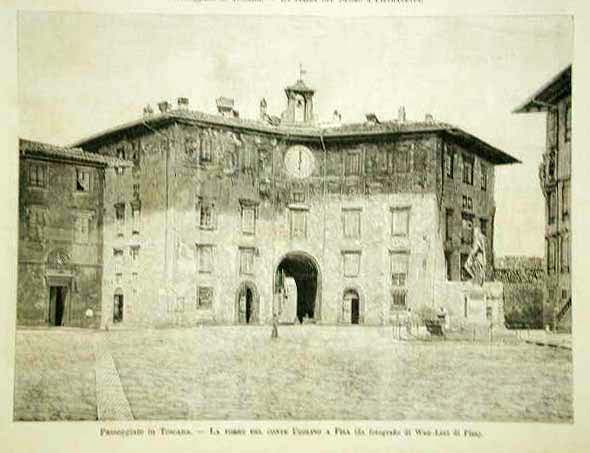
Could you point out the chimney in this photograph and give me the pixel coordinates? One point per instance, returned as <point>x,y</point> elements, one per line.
<point>263,109</point>
<point>225,106</point>
<point>148,110</point>
<point>429,119</point>
<point>182,103</point>
<point>164,106</point>
<point>401,114</point>
<point>337,117</point>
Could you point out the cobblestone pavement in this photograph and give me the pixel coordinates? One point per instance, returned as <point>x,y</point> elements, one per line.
<point>324,372</point>
<point>309,372</point>
<point>54,375</point>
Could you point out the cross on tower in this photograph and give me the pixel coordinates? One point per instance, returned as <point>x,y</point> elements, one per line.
<point>301,72</point>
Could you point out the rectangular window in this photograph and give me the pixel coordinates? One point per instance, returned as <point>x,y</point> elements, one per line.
<point>136,154</point>
<point>399,273</point>
<point>399,268</point>
<point>351,223</point>
<point>551,207</point>
<point>82,229</point>
<point>398,299</point>
<point>464,274</point>
<point>448,266</point>
<point>205,152</point>
<point>483,226</point>
<point>135,281</point>
<point>204,297</point>
<point>401,161</point>
<point>565,200</point>
<point>467,228</point>
<point>551,255</point>
<point>298,220</point>
<point>135,190</point>
<point>118,258</point>
<point>206,213</point>
<point>352,263</point>
<point>353,164</point>
<point>205,258</point>
<point>298,197</point>
<point>247,260</point>
<point>82,180</point>
<point>120,217</point>
<point>467,203</point>
<point>400,221</point>
<point>484,177</point>
<point>38,175</point>
<point>134,253</point>
<point>449,224</point>
<point>565,252</point>
<point>568,121</point>
<point>136,218</point>
<point>121,153</point>
<point>467,169</point>
<point>553,128</point>
<point>248,219</point>
<point>449,161</point>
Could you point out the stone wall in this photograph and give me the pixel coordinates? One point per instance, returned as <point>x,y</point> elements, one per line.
<point>173,176</point>
<point>524,280</point>
<point>51,250</point>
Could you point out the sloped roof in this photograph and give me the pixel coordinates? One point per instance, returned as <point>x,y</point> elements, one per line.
<point>34,148</point>
<point>350,132</point>
<point>555,89</point>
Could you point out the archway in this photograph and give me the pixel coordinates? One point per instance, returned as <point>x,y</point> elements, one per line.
<point>304,270</point>
<point>247,306</point>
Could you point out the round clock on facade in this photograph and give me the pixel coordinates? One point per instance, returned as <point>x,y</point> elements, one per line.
<point>299,161</point>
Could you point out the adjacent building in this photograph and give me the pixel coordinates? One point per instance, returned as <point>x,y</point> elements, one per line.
<point>60,253</point>
<point>555,170</point>
<point>221,219</point>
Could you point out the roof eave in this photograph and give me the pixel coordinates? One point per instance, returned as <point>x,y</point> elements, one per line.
<point>549,93</point>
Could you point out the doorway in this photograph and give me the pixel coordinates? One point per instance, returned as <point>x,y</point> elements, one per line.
<point>304,270</point>
<point>118,308</point>
<point>351,307</point>
<point>247,304</point>
<point>57,305</point>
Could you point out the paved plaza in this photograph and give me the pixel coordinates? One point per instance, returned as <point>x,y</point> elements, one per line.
<point>309,372</point>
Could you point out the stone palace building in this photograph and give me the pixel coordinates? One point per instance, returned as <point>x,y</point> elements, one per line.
<point>182,217</point>
<point>555,173</point>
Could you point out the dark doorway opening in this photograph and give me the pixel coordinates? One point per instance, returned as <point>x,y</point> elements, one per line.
<point>246,304</point>
<point>304,271</point>
<point>57,305</point>
<point>118,308</point>
<point>354,311</point>
<point>351,307</point>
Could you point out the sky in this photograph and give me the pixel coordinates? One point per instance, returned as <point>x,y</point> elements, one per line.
<point>81,73</point>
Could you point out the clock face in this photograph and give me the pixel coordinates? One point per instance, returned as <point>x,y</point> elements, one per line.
<point>299,161</point>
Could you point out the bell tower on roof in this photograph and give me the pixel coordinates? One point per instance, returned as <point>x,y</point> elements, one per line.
<point>299,103</point>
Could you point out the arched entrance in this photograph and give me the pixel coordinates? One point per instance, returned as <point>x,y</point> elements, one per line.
<point>247,304</point>
<point>303,269</point>
<point>351,307</point>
